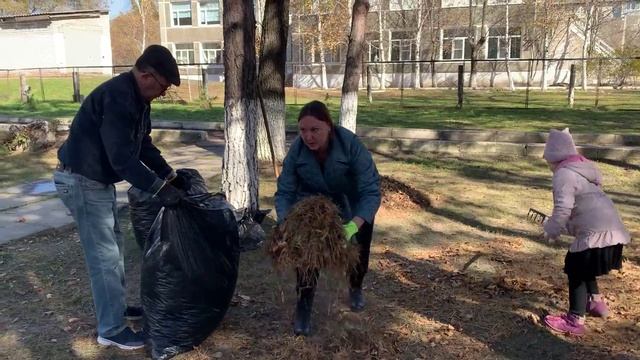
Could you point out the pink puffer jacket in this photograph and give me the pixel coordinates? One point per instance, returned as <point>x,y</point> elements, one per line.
<point>583,210</point>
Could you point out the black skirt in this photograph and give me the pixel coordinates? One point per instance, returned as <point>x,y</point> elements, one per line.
<point>590,263</point>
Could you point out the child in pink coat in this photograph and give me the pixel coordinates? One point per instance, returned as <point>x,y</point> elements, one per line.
<point>581,209</point>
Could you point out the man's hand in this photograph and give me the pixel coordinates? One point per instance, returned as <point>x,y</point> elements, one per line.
<point>181,182</point>
<point>350,230</point>
<point>168,195</point>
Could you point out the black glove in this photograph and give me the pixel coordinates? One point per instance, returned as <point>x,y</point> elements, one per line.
<point>181,182</point>
<point>169,195</point>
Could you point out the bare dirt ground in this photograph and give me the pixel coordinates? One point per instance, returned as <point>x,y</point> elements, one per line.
<point>456,272</point>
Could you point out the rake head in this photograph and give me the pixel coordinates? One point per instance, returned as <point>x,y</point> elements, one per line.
<point>536,216</point>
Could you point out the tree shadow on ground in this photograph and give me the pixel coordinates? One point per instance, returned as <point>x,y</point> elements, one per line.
<point>501,311</point>
<point>480,170</point>
<point>48,302</point>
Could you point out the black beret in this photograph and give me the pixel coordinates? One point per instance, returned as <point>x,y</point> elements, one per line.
<point>162,61</point>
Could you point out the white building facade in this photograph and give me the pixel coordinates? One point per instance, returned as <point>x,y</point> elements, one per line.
<point>56,40</point>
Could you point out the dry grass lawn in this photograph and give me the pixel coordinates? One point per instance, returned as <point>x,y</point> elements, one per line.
<point>463,278</point>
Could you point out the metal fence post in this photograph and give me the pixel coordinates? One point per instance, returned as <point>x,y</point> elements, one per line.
<point>41,85</point>
<point>526,100</point>
<point>598,83</point>
<point>189,84</point>
<point>205,86</point>
<point>295,88</point>
<point>75,77</point>
<point>402,84</point>
<point>23,88</point>
<point>572,86</point>
<point>369,96</point>
<point>460,86</point>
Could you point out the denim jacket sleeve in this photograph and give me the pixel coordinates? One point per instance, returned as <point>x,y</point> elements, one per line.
<point>285,196</point>
<point>367,181</point>
<point>118,131</point>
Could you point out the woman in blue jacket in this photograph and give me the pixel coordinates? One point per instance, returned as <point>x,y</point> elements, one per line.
<point>330,160</point>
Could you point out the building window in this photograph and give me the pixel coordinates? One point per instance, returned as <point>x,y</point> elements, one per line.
<point>210,12</point>
<point>181,14</point>
<point>335,55</point>
<point>184,53</point>
<point>402,46</point>
<point>455,45</point>
<point>212,53</point>
<point>500,46</point>
<point>374,51</point>
<point>402,4</point>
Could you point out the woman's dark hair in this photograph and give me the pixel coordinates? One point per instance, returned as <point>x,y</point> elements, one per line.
<point>318,110</point>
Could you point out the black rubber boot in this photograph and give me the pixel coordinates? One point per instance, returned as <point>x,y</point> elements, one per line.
<point>357,299</point>
<point>302,322</point>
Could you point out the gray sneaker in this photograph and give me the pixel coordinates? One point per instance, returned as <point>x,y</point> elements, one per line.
<point>126,339</point>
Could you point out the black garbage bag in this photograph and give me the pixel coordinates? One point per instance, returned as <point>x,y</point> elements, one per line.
<point>189,273</point>
<point>252,235</point>
<point>144,207</point>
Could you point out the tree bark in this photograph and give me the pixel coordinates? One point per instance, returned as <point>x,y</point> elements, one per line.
<point>140,4</point>
<point>271,78</point>
<point>239,167</point>
<point>382,57</point>
<point>353,66</point>
<point>416,66</point>
<point>478,40</point>
<point>508,50</point>
<point>585,45</point>
<point>323,65</point>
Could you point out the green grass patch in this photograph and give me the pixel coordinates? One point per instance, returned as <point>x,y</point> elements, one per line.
<point>617,112</point>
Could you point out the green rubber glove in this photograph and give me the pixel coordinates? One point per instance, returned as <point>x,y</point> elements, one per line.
<point>350,230</point>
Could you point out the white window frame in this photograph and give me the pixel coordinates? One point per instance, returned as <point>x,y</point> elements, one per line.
<point>179,53</point>
<point>452,41</point>
<point>205,57</point>
<point>172,13</point>
<point>374,44</point>
<point>630,7</point>
<point>508,50</point>
<point>200,9</point>
<point>405,49</point>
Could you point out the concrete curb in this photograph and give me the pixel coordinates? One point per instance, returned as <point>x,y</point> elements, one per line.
<point>617,147</point>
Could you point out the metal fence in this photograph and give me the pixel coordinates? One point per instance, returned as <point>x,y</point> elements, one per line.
<point>204,83</point>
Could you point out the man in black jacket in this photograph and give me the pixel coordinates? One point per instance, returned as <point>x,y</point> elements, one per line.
<point>109,142</point>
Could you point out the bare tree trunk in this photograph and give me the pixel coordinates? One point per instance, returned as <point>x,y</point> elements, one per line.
<point>545,65</point>
<point>275,29</point>
<point>349,104</point>
<point>239,166</point>
<point>508,51</point>
<point>323,65</point>
<point>258,12</point>
<point>382,54</point>
<point>565,51</point>
<point>585,45</point>
<point>478,40</point>
<point>434,48</point>
<point>416,66</point>
<point>140,5</point>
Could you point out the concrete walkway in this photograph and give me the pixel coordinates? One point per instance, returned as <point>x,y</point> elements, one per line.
<point>32,208</point>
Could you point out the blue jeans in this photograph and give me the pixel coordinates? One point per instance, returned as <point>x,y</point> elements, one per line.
<point>93,207</point>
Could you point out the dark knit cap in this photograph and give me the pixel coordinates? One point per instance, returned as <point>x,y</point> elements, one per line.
<point>160,59</point>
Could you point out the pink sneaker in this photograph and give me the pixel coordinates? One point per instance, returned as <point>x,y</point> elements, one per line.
<point>597,308</point>
<point>566,324</point>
